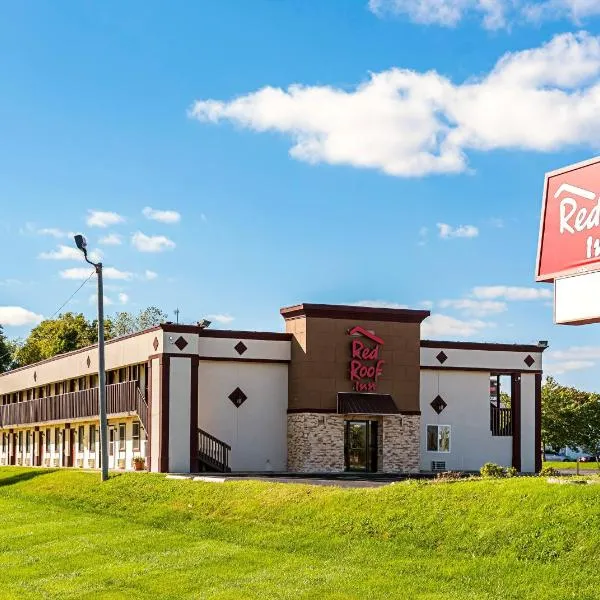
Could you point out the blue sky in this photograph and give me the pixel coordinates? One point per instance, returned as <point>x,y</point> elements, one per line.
<point>404,165</point>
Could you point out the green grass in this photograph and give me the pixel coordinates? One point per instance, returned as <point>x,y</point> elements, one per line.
<point>591,466</point>
<point>64,535</point>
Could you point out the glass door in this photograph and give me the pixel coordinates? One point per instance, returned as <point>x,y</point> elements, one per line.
<point>360,446</point>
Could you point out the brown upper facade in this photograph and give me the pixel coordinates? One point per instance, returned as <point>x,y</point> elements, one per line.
<point>339,348</point>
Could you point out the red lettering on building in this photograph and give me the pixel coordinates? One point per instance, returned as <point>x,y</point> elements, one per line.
<point>365,365</point>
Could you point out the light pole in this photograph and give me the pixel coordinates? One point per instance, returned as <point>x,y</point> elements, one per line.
<point>82,245</point>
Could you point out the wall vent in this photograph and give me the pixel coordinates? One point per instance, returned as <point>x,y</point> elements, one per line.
<point>438,466</point>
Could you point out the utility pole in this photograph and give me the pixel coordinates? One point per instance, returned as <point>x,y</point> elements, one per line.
<point>176,311</point>
<point>81,243</point>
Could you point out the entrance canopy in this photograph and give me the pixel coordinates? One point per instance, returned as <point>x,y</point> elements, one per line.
<point>366,404</point>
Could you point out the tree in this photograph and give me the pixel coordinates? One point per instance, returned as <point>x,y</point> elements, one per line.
<point>124,323</point>
<point>561,417</point>
<point>588,418</point>
<point>6,352</point>
<point>56,336</point>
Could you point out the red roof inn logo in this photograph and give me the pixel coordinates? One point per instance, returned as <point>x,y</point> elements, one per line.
<point>365,366</point>
<point>570,225</point>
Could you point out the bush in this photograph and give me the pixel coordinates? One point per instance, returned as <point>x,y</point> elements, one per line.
<point>449,476</point>
<point>510,472</point>
<point>492,470</point>
<point>549,471</point>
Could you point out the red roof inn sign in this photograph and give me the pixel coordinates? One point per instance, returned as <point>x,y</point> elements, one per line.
<point>365,364</point>
<point>569,241</point>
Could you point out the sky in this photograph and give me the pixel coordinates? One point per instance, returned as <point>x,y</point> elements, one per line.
<point>228,158</point>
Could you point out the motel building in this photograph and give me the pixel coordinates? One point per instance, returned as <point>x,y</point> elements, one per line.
<point>345,388</point>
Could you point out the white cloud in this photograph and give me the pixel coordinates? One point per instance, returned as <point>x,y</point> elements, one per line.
<point>123,298</point>
<point>494,14</point>
<point>69,253</point>
<point>112,239</point>
<point>511,292</point>
<point>443,325</point>
<point>224,319</point>
<point>52,231</point>
<point>151,243</point>
<point>16,316</point>
<point>478,308</point>
<point>94,298</point>
<point>558,368</point>
<point>409,124</point>
<point>98,218</point>
<point>84,273</point>
<point>149,275</point>
<point>462,231</point>
<point>575,358</point>
<point>164,216</point>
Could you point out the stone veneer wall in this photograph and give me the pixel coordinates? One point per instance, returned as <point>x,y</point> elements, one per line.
<point>401,443</point>
<point>315,443</point>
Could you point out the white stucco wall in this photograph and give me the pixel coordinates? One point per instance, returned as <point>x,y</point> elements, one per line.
<point>255,349</point>
<point>498,360</point>
<point>467,395</point>
<point>257,430</point>
<point>528,449</point>
<point>179,415</point>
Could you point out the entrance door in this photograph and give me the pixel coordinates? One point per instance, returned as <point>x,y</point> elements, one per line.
<point>360,446</point>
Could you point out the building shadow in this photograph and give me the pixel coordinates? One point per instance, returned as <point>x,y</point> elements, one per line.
<point>21,477</point>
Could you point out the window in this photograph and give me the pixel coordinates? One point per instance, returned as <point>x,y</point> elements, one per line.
<point>111,437</point>
<point>80,439</point>
<point>438,438</point>
<point>122,374</point>
<point>27,440</point>
<point>3,443</point>
<point>121,436</point>
<point>47,440</point>
<point>135,436</point>
<point>20,441</point>
<point>56,439</point>
<point>92,439</point>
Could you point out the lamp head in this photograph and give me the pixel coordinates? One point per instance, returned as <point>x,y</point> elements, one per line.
<point>80,242</point>
<point>204,323</point>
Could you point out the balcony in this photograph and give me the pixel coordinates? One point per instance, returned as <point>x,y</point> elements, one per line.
<point>500,421</point>
<point>120,398</point>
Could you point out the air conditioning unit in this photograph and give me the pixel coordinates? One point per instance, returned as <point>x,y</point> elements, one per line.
<point>91,463</point>
<point>438,466</point>
<point>80,463</point>
<point>121,463</point>
<point>27,462</point>
<point>56,462</point>
<point>46,462</point>
<point>20,461</point>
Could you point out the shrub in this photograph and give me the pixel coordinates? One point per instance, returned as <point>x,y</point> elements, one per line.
<point>510,472</point>
<point>449,476</point>
<point>548,471</point>
<point>492,470</point>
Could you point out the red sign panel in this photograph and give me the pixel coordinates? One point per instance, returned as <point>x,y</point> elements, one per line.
<point>365,364</point>
<point>570,225</point>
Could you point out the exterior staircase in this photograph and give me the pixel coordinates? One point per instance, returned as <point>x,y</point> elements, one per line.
<point>213,454</point>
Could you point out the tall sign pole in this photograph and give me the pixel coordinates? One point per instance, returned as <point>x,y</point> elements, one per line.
<point>82,245</point>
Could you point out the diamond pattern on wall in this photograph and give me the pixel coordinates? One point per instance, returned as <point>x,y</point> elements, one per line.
<point>238,397</point>
<point>438,404</point>
<point>240,347</point>
<point>442,357</point>
<point>529,360</point>
<point>88,361</point>
<point>180,342</point>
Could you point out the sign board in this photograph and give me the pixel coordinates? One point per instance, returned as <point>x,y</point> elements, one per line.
<point>577,299</point>
<point>365,364</point>
<point>569,238</point>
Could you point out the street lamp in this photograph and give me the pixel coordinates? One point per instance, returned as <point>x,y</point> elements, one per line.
<point>81,243</point>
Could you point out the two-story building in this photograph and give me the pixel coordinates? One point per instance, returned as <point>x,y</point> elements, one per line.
<point>344,388</point>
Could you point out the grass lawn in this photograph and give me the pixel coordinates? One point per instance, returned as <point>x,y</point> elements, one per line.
<point>590,466</point>
<point>65,535</point>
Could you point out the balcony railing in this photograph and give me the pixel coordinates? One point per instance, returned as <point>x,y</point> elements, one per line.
<point>120,398</point>
<point>500,421</point>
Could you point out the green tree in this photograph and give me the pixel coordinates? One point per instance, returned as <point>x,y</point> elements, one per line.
<point>6,352</point>
<point>124,323</point>
<point>561,414</point>
<point>56,336</point>
<point>588,419</point>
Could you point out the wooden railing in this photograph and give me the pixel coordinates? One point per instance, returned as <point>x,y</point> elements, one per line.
<point>500,421</point>
<point>212,452</point>
<point>120,398</point>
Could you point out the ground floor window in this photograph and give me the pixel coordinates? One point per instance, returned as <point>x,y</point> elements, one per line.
<point>47,440</point>
<point>121,437</point>
<point>20,441</point>
<point>111,438</point>
<point>80,440</point>
<point>438,438</point>
<point>92,439</point>
<point>3,442</point>
<point>135,436</point>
